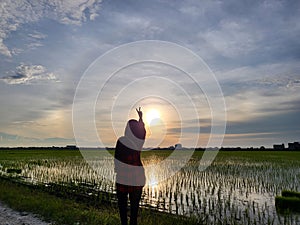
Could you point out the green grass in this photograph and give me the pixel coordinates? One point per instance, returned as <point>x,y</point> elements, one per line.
<point>271,156</point>
<point>52,208</point>
<point>66,211</point>
<point>259,156</point>
<point>286,193</point>
<point>17,154</point>
<point>288,202</point>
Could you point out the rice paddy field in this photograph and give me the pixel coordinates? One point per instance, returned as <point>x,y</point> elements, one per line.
<point>239,187</point>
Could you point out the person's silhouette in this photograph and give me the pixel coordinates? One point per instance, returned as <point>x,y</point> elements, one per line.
<point>130,175</point>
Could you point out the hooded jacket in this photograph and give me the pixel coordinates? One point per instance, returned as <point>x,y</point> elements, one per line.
<point>129,169</point>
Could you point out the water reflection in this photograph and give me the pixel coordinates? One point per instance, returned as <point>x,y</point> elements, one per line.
<point>242,191</point>
<point>152,180</point>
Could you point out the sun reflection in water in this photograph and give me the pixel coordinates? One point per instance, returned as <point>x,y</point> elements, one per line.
<point>152,181</point>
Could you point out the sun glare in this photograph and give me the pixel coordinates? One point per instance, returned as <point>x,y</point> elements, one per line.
<point>153,183</point>
<point>152,115</point>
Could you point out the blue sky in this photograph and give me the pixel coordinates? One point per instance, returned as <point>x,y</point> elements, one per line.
<point>252,47</point>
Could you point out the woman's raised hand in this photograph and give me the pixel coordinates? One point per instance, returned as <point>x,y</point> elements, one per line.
<point>140,113</point>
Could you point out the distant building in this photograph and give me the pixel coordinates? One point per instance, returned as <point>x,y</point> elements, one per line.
<point>294,146</point>
<point>279,147</point>
<point>72,147</point>
<point>178,146</point>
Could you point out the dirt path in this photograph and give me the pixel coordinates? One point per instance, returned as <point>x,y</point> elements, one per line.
<point>10,217</point>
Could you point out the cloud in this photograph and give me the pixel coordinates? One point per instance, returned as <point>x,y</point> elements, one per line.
<point>280,127</point>
<point>37,35</point>
<point>232,32</point>
<point>16,13</point>
<point>231,39</point>
<point>4,50</point>
<point>28,74</point>
<point>24,124</point>
<point>281,122</point>
<point>268,78</point>
<point>7,139</point>
<point>35,40</point>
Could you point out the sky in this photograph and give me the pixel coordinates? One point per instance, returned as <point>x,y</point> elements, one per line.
<point>252,48</point>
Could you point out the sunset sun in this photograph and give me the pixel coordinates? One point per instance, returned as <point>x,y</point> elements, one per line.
<point>151,116</point>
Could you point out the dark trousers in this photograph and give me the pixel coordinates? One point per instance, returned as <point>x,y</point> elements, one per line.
<point>134,198</point>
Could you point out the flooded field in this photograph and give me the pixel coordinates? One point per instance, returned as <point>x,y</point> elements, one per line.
<point>237,188</point>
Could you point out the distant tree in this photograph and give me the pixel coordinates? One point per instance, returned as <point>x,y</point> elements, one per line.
<point>171,148</point>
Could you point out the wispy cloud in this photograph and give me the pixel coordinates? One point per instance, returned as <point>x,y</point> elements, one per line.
<point>28,74</point>
<point>37,35</point>
<point>16,13</point>
<point>3,48</point>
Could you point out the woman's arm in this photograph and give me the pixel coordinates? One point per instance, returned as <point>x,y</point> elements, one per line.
<point>140,113</point>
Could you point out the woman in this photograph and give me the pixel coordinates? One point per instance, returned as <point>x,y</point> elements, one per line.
<point>130,178</point>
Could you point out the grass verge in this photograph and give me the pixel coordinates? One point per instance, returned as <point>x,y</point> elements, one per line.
<point>67,211</point>
<point>288,202</point>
